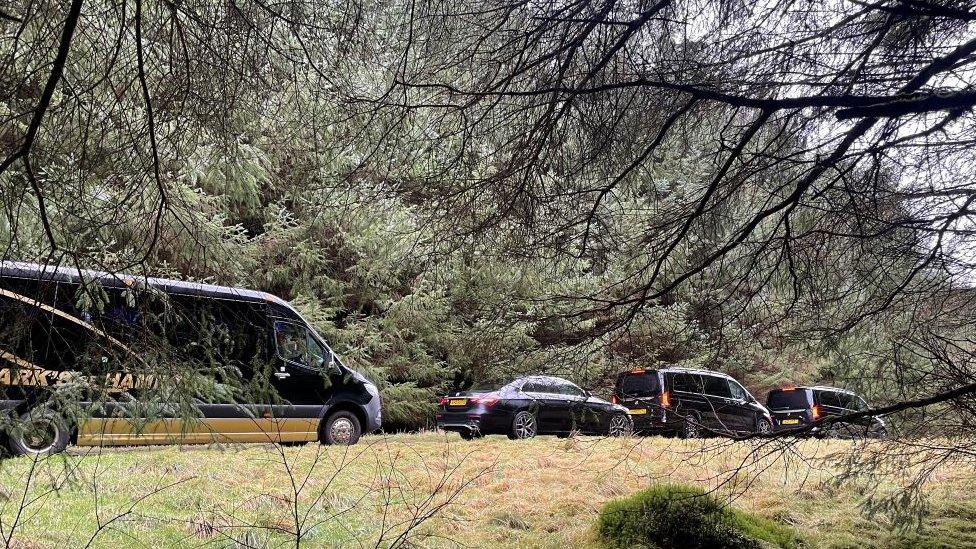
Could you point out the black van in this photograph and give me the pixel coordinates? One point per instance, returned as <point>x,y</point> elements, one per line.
<point>689,402</point>
<point>105,359</point>
<point>807,408</point>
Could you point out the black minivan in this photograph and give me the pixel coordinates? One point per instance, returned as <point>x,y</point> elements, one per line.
<point>689,402</point>
<point>806,409</point>
<point>105,359</point>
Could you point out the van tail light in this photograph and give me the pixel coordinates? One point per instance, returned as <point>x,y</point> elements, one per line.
<point>487,401</point>
<point>443,401</point>
<point>815,412</point>
<point>614,399</point>
<point>665,399</point>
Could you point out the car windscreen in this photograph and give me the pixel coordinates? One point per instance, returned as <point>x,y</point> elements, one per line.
<point>789,400</point>
<point>638,384</point>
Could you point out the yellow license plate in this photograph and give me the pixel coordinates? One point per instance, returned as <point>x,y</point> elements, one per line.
<point>638,411</point>
<point>790,422</point>
<point>457,402</point>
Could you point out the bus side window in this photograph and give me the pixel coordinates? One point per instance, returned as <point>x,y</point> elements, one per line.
<point>296,344</point>
<point>291,341</point>
<point>24,332</point>
<point>25,326</point>
<point>318,357</point>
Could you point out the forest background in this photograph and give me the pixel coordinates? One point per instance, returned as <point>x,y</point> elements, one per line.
<point>305,151</point>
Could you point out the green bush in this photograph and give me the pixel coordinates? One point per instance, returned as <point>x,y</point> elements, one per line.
<point>674,516</point>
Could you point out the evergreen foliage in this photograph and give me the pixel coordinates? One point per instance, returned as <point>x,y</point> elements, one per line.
<point>277,169</point>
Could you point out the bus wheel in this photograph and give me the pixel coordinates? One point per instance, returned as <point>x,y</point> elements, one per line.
<point>38,433</point>
<point>341,428</point>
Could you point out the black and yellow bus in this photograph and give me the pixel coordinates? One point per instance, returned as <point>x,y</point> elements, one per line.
<point>97,358</point>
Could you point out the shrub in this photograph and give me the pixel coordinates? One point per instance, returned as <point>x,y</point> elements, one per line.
<point>674,516</point>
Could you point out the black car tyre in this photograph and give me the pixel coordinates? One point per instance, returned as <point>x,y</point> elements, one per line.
<point>341,428</point>
<point>763,426</point>
<point>839,430</point>
<point>692,427</point>
<point>470,434</point>
<point>620,426</point>
<point>524,425</point>
<point>39,433</point>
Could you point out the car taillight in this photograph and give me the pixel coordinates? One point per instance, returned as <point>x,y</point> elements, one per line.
<point>443,401</point>
<point>488,401</point>
<point>815,411</point>
<point>614,399</point>
<point>665,399</point>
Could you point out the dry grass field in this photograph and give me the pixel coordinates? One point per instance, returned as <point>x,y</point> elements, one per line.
<point>436,490</point>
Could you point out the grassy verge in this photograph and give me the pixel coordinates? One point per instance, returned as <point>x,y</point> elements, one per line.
<point>436,490</point>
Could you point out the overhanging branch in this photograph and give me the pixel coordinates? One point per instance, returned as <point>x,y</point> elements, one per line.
<point>960,101</point>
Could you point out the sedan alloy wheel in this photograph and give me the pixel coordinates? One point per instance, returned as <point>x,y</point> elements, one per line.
<point>620,426</point>
<point>524,426</point>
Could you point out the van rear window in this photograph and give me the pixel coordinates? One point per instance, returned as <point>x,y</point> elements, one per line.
<point>789,400</point>
<point>639,385</point>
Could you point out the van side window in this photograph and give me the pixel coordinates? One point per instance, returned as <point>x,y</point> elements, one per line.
<point>717,386</point>
<point>689,383</point>
<point>851,402</point>
<point>291,342</point>
<point>296,344</point>
<point>829,398</point>
<point>738,391</point>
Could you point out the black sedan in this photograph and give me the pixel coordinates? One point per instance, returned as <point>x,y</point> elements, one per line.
<point>529,406</point>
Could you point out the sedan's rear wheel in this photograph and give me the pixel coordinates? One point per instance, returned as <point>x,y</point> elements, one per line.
<point>524,426</point>
<point>470,434</point>
<point>620,426</point>
<point>764,427</point>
